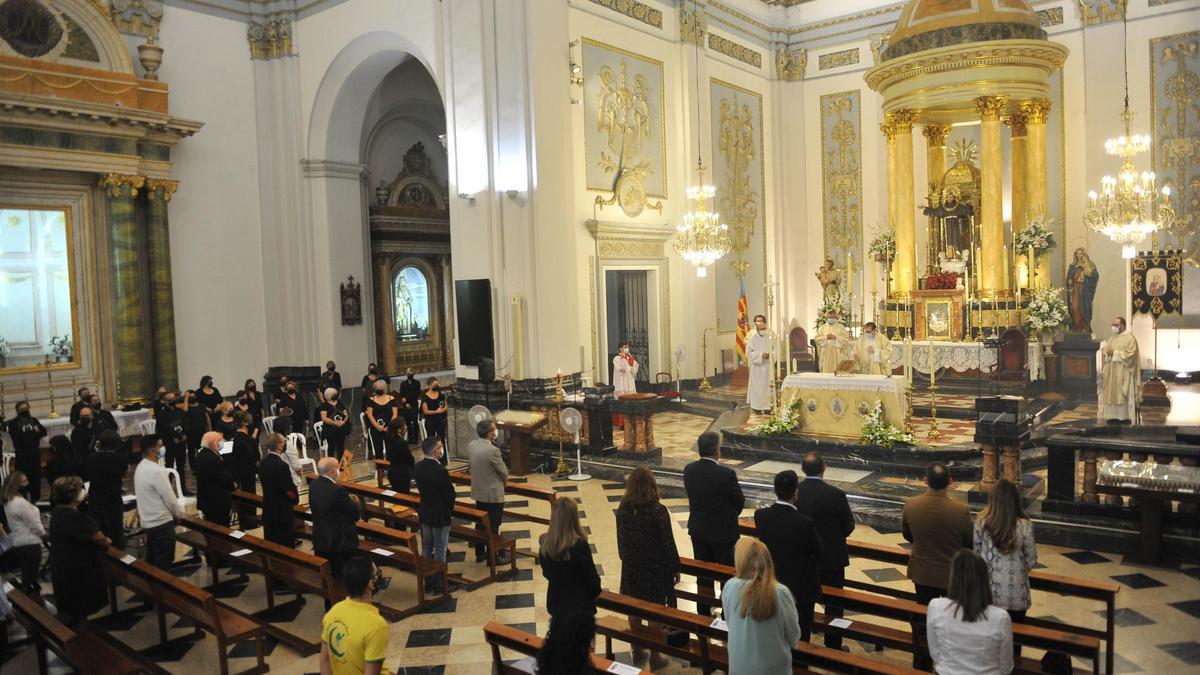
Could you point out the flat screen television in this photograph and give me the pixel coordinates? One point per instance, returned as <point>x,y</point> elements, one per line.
<point>473,298</point>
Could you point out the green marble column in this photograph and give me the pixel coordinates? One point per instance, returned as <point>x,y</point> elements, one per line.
<point>128,319</point>
<point>162,308</point>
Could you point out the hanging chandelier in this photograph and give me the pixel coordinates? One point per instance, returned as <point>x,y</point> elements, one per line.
<point>1129,207</point>
<point>703,238</point>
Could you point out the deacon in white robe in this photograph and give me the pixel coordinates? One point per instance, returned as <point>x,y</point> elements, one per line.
<point>758,354</point>
<point>873,351</point>
<point>1119,389</point>
<point>833,343</point>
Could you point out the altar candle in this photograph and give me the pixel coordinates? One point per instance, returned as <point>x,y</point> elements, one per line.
<point>1032,265</point>
<point>850,277</point>
<point>932,365</point>
<point>908,360</point>
<point>874,275</point>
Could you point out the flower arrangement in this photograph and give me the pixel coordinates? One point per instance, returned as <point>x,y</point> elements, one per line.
<point>60,347</point>
<point>784,420</point>
<point>883,246</point>
<point>941,280</point>
<point>830,305</point>
<point>1047,310</point>
<point>877,431</point>
<point>1036,235</point>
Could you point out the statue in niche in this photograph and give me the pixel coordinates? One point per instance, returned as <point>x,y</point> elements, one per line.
<point>1082,277</point>
<point>830,279</point>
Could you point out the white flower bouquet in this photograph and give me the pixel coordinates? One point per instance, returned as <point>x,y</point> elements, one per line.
<point>1047,311</point>
<point>877,431</point>
<point>1036,235</point>
<point>784,420</point>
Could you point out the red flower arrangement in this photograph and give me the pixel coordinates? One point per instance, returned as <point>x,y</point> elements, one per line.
<point>942,280</point>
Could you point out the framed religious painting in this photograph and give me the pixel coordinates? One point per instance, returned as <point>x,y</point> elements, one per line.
<point>1156,283</point>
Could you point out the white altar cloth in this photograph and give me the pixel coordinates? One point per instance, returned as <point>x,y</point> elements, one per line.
<point>127,423</point>
<point>961,356</point>
<point>834,405</point>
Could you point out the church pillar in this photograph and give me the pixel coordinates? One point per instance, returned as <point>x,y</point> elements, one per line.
<point>889,132</point>
<point>1036,113</point>
<point>992,263</point>
<point>1019,184</point>
<point>935,153</point>
<point>385,320</point>
<point>162,304</point>
<point>901,122</point>
<point>128,322</point>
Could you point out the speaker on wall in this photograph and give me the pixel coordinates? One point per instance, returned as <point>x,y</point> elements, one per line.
<point>473,299</point>
<point>487,371</point>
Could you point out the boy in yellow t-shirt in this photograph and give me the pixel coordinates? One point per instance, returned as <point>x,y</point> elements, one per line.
<point>354,637</point>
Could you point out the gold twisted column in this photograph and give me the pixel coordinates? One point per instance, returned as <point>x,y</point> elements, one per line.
<point>385,320</point>
<point>132,375</point>
<point>162,304</point>
<point>935,153</point>
<point>1036,113</point>
<point>901,123</point>
<point>993,267</point>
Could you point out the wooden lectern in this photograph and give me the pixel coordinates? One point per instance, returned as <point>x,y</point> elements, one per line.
<point>520,426</point>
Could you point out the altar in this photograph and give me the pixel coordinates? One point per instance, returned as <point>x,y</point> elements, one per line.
<point>960,357</point>
<point>834,405</point>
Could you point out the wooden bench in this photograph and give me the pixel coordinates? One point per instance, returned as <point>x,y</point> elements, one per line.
<point>463,478</point>
<point>1101,591</point>
<point>195,604</point>
<point>387,546</point>
<point>82,647</point>
<point>495,542</point>
<point>905,611</point>
<point>500,636</point>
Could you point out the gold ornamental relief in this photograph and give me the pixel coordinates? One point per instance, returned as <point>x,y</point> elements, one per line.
<point>622,248</point>
<point>1175,109</point>
<point>990,107</point>
<point>1037,111</point>
<point>168,187</point>
<point>114,184</point>
<point>623,117</point>
<point>739,200</point>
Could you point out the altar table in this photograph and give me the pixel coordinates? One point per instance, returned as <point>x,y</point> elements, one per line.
<point>127,423</point>
<point>834,405</point>
<point>961,357</point>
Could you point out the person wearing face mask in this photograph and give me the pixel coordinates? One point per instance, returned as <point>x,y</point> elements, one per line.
<point>157,507</point>
<point>196,423</point>
<point>330,379</point>
<point>27,434</point>
<point>832,342</point>
<point>410,392</point>
<point>625,369</point>
<point>102,420</point>
<point>873,351</point>
<point>207,395</point>
<point>1120,389</point>
<point>758,355</point>
<point>85,395</point>
<point>24,526</point>
<point>433,409</point>
<point>77,553</point>
<point>253,405</point>
<point>106,468</point>
<point>83,437</point>
<point>170,426</point>
<point>214,482</point>
<point>337,422</point>
<point>290,405</point>
<point>382,412</point>
<point>372,376</point>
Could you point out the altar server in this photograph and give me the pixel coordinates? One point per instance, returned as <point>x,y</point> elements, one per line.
<point>873,351</point>
<point>625,370</point>
<point>758,354</point>
<point>832,343</point>
<point>1119,390</point>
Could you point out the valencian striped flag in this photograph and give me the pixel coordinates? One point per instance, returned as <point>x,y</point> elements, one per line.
<point>743,320</point>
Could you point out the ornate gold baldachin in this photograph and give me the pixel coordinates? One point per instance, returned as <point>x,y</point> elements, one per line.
<point>902,120</point>
<point>1036,111</point>
<point>990,107</point>
<point>935,134</point>
<point>1017,121</point>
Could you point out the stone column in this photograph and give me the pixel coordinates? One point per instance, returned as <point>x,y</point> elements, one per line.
<point>1019,183</point>
<point>935,154</point>
<point>901,122</point>
<point>992,264</point>
<point>128,319</point>
<point>889,133</point>
<point>1036,112</point>
<point>162,302</point>
<point>385,320</point>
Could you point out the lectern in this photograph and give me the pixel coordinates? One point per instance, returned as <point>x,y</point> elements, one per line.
<point>520,426</point>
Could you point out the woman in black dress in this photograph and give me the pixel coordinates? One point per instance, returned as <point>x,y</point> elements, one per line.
<point>372,376</point>
<point>196,423</point>
<point>399,456</point>
<point>254,402</point>
<point>208,395</point>
<point>649,559</point>
<point>433,409</point>
<point>243,404</point>
<point>337,422</point>
<point>223,420</point>
<point>243,465</point>
<point>566,561</point>
<point>382,411</point>
<point>77,551</point>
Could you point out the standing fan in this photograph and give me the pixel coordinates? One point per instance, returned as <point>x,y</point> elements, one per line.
<point>478,414</point>
<point>572,423</point>
<point>680,357</point>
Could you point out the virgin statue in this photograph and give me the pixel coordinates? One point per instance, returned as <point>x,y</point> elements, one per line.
<point>1082,276</point>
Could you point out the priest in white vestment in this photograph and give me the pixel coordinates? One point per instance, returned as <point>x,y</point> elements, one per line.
<point>1119,392</point>
<point>833,343</point>
<point>873,351</point>
<point>758,355</point>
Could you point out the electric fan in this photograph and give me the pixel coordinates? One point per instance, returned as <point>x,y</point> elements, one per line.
<point>479,414</point>
<point>680,357</point>
<point>572,423</point>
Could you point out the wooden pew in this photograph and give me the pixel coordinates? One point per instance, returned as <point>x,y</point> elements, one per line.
<point>387,546</point>
<point>495,542</point>
<point>1101,591</point>
<point>463,478</point>
<point>86,650</point>
<point>178,597</point>
<point>906,611</point>
<point>500,636</point>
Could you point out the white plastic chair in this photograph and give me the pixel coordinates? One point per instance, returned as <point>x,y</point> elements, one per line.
<point>274,409</point>
<point>186,503</point>
<point>269,424</point>
<point>146,427</point>
<point>319,432</point>
<point>366,432</point>
<point>296,448</point>
<point>421,426</point>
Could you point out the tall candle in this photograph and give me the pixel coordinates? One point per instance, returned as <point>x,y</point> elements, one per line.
<point>850,275</point>
<point>908,360</point>
<point>932,365</point>
<point>874,275</point>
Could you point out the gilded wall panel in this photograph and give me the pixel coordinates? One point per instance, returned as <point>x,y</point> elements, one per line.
<point>634,10</point>
<point>1175,74</point>
<point>738,174</point>
<point>624,131</point>
<point>1050,17</point>
<point>841,174</point>
<point>846,57</point>
<point>734,50</point>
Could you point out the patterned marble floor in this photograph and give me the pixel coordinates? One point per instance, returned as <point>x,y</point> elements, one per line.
<point>1159,610</point>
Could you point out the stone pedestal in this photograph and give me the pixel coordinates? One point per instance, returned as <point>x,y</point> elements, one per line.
<point>1077,365</point>
<point>638,410</point>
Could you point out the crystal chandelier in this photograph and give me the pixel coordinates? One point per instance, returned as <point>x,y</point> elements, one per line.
<point>702,238</point>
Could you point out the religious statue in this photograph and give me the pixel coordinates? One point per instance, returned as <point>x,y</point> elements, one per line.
<point>758,355</point>
<point>872,351</point>
<point>830,279</point>
<point>832,343</point>
<point>1119,389</point>
<point>1082,277</point>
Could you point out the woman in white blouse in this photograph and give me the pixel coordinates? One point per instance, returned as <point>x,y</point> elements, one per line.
<point>25,526</point>
<point>968,635</point>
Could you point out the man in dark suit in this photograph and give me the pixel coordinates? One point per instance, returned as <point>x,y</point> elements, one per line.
<point>829,509</point>
<point>214,483</point>
<point>791,537</point>
<point>106,469</point>
<point>335,517</point>
<point>437,505</point>
<point>279,493</point>
<point>85,397</point>
<point>714,502</point>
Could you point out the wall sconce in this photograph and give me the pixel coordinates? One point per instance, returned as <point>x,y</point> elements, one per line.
<point>576,76</point>
<point>512,194</point>
<point>469,197</point>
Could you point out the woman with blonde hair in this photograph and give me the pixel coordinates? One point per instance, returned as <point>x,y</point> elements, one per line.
<point>760,612</point>
<point>1004,539</point>
<point>646,544</point>
<point>566,561</point>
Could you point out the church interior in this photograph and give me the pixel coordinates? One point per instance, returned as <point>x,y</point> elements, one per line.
<point>888,235</point>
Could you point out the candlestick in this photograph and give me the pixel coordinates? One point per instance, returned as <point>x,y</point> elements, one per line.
<point>932,365</point>
<point>1032,267</point>
<point>908,360</point>
<point>50,387</point>
<point>933,434</point>
<point>874,275</point>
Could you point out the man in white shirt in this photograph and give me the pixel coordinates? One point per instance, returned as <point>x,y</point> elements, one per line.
<point>157,505</point>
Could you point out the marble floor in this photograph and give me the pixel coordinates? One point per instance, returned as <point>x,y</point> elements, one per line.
<point>1159,610</point>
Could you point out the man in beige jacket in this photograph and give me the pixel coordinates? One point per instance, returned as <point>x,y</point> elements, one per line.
<point>488,476</point>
